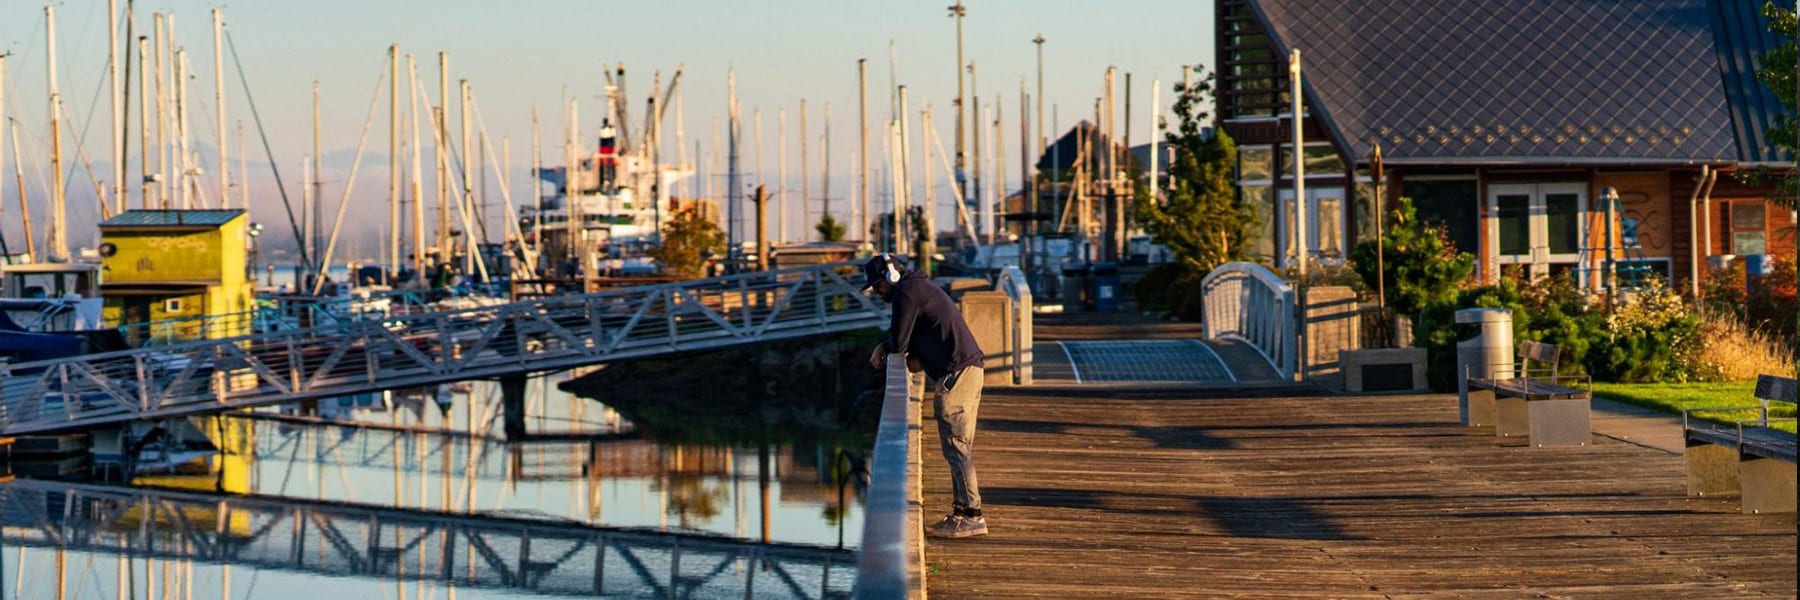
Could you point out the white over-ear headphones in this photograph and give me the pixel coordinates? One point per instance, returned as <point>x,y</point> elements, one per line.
<point>893,273</point>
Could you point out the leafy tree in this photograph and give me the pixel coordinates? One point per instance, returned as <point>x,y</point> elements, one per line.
<point>1201,219</point>
<point>830,229</point>
<point>1777,70</point>
<point>1423,267</point>
<point>687,240</point>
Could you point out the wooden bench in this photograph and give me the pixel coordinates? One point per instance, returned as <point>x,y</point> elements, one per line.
<point>1533,402</point>
<point>1747,458</point>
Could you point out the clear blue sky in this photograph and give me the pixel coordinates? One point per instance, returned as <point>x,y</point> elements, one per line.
<point>520,54</point>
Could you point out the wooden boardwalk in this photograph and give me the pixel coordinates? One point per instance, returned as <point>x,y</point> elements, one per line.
<point>1159,492</point>
<point>1168,493</point>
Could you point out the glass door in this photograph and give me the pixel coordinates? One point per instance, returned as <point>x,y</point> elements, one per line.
<point>1324,225</point>
<point>1537,225</point>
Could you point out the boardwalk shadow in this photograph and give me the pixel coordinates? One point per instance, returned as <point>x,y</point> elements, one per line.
<point>1276,518</point>
<point>1018,426</point>
<point>1182,438</point>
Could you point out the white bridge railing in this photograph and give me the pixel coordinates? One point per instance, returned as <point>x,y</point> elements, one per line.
<point>353,357</point>
<point>1248,302</point>
<point>1013,283</point>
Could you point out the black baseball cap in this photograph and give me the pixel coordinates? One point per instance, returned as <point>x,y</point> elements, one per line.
<point>876,269</point>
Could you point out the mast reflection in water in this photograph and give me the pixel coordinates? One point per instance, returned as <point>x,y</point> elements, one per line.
<point>422,498</point>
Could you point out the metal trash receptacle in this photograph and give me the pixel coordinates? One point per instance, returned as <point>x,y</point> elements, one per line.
<point>1103,287</point>
<point>1484,348</point>
<point>1074,288</point>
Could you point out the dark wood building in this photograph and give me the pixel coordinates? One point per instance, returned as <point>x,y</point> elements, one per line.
<point>1520,125</point>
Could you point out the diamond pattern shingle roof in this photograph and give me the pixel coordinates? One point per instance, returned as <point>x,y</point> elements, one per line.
<point>1512,80</point>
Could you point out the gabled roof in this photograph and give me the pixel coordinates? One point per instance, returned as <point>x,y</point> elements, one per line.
<point>1513,81</point>
<point>1741,37</point>
<point>172,218</point>
<point>1062,153</point>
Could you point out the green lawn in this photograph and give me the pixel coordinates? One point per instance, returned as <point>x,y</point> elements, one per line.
<point>1675,397</point>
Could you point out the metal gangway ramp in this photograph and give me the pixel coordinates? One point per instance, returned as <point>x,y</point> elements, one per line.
<point>353,357</point>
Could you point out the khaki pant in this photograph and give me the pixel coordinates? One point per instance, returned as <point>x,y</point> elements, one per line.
<point>957,400</point>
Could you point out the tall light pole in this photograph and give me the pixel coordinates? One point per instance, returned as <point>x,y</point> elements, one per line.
<point>957,11</point>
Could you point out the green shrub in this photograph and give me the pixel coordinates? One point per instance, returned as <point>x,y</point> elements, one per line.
<point>1423,267</point>
<point>1173,288</point>
<point>1651,336</point>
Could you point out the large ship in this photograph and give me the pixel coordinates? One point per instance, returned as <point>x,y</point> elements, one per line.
<point>605,216</point>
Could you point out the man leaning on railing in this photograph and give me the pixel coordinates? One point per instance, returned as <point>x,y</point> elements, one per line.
<point>927,327</point>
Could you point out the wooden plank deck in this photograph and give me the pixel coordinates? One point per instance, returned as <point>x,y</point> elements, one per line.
<point>1160,493</point>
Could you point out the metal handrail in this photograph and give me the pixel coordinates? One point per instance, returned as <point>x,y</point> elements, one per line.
<point>263,531</point>
<point>1013,283</point>
<point>351,357</point>
<point>892,566</point>
<point>1248,302</point>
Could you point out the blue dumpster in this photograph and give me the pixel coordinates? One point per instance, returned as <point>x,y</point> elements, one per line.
<point>1103,280</point>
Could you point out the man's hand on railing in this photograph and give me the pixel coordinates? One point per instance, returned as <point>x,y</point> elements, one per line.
<point>878,357</point>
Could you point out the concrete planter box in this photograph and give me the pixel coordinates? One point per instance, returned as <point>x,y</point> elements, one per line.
<point>1383,369</point>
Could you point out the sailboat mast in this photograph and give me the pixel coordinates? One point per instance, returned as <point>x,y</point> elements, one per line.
<point>183,166</point>
<point>998,188</point>
<point>186,163</point>
<point>218,23</point>
<point>4,255</point>
<point>112,99</point>
<point>59,243</point>
<point>243,180</point>
<point>31,254</point>
<point>144,152</point>
<point>173,161</point>
<point>734,212</point>
<point>537,191</point>
<point>825,166</point>
<point>473,259</point>
<point>418,205</point>
<point>394,175</point>
<point>975,170</point>
<point>904,197</point>
<point>781,175</point>
<point>442,156</point>
<point>162,118</point>
<point>862,170</point>
<point>315,233</point>
<point>805,177</point>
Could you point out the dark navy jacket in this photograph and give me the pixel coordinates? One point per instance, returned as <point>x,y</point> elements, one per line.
<point>927,326</point>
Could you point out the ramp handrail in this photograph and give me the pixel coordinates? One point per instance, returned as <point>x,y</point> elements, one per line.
<point>360,356</point>
<point>1248,302</point>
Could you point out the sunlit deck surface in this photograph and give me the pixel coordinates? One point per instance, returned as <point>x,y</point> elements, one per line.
<point>1156,492</point>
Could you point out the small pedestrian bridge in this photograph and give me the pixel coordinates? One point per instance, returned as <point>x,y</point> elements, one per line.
<point>342,358</point>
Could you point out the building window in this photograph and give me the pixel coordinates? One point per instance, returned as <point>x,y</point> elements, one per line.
<point>1331,226</point>
<point>1749,228</point>
<point>1451,203</point>
<point>1252,79</point>
<point>1321,159</point>
<point>1254,163</point>
<point>1261,205</point>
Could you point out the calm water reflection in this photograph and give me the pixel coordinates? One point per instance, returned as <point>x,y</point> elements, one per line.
<point>426,500</point>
